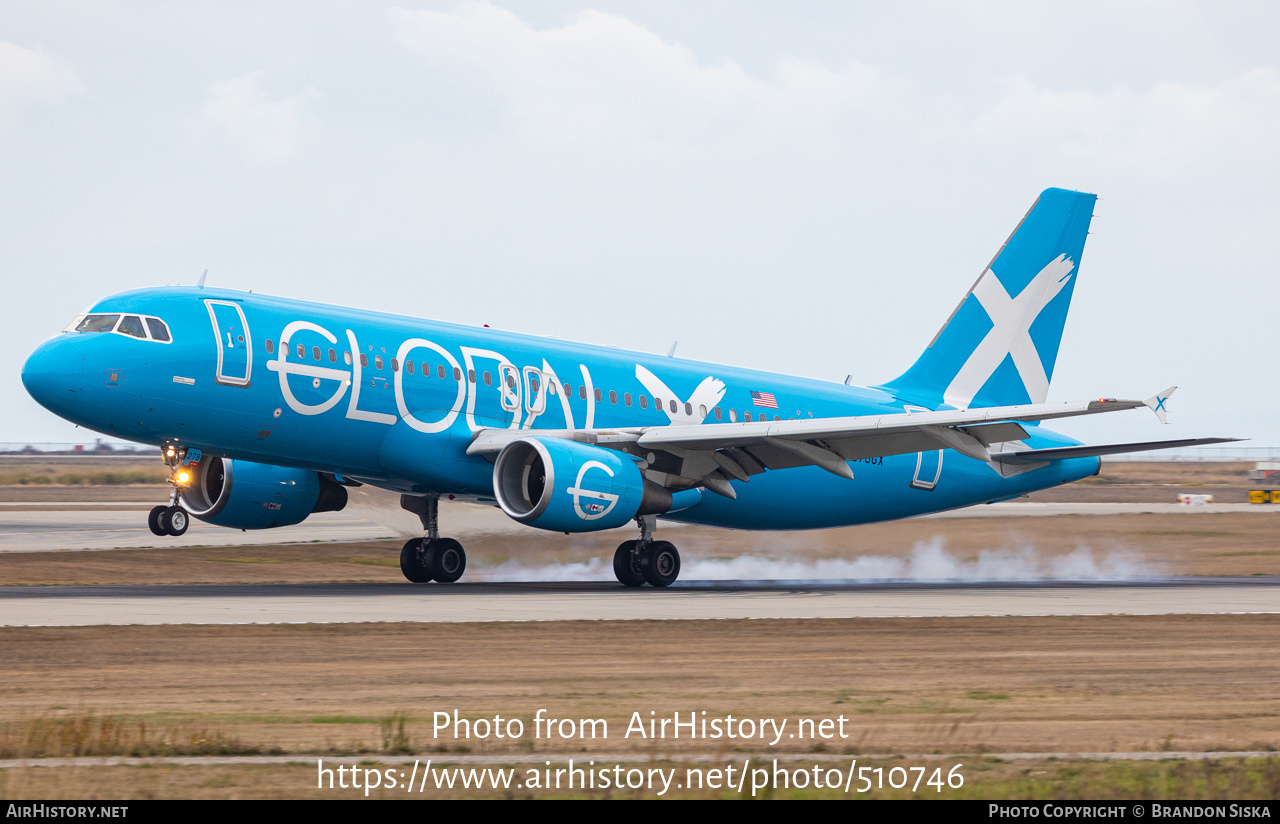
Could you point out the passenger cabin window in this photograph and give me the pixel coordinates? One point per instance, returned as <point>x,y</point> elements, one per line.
<point>582,391</point>
<point>333,356</point>
<point>302,351</point>
<point>395,365</point>
<point>488,379</point>
<point>673,406</point>
<point>98,323</point>
<point>408,366</point>
<point>364,359</point>
<point>440,371</point>
<point>346,357</point>
<point>377,361</point>
<point>626,398</point>
<point>599,396</point>
<point>688,408</point>
<point>131,325</point>
<point>315,352</point>
<point>613,396</point>
<point>457,373</point>
<point>717,413</point>
<point>733,416</point>
<point>271,347</point>
<point>644,401</point>
<point>160,332</point>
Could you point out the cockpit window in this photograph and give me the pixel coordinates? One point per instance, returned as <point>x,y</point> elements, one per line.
<point>131,325</point>
<point>98,323</point>
<point>159,331</point>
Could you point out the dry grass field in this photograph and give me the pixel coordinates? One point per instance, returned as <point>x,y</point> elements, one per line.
<point>969,685</point>
<point>972,687</point>
<point>986,777</point>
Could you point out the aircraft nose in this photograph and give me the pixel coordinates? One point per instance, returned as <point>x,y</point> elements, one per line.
<point>52,374</point>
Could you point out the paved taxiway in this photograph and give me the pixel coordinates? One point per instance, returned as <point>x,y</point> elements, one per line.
<point>32,529</point>
<point>357,603</point>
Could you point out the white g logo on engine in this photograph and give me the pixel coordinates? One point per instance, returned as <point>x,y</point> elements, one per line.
<point>591,511</point>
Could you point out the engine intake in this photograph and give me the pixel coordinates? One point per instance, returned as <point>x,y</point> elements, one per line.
<point>566,486</point>
<point>246,495</point>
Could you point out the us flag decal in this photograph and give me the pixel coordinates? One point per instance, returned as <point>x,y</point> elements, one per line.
<point>765,399</point>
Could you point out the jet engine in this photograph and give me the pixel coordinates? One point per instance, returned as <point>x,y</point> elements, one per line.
<point>566,486</point>
<point>245,495</point>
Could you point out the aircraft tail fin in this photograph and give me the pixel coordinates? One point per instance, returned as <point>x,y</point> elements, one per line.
<point>1000,344</point>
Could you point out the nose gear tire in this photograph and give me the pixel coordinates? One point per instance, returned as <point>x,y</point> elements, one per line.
<point>175,520</point>
<point>153,520</point>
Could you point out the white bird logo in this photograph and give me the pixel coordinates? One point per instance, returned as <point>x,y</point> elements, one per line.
<point>695,409</point>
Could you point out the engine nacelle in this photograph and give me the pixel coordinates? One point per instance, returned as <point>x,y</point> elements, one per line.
<point>245,495</point>
<point>566,486</point>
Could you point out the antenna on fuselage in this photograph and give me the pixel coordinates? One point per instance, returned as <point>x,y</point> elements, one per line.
<point>200,282</point>
<point>671,353</point>
<point>848,380</point>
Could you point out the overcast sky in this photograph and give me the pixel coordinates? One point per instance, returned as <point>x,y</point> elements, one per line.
<point>802,187</point>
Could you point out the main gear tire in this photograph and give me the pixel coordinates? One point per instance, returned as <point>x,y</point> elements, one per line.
<point>660,563</point>
<point>446,559</point>
<point>626,565</point>
<point>411,564</point>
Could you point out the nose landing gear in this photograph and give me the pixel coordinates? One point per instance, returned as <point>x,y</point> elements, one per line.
<point>432,558</point>
<point>172,519</point>
<point>168,520</point>
<point>646,560</point>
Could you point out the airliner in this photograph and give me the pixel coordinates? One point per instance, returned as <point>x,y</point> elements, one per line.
<point>268,410</point>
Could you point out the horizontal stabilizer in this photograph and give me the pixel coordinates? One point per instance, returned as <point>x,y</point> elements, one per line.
<point>1039,455</point>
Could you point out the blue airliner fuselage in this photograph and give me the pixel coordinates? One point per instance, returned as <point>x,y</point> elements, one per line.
<point>269,408</point>
<point>340,398</point>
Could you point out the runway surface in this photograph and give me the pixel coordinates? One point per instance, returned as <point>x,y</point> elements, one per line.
<point>38,530</point>
<point>429,603</point>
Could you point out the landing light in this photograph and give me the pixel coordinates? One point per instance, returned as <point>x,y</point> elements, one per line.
<point>183,477</point>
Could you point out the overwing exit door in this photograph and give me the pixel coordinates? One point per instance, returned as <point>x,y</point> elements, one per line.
<point>235,349</point>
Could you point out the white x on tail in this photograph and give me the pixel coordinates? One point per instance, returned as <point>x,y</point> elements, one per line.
<point>1011,333</point>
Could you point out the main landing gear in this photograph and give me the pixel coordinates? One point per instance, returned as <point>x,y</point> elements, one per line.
<point>646,560</point>
<point>432,558</point>
<point>171,519</point>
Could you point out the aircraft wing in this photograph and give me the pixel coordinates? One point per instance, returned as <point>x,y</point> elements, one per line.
<point>681,456</point>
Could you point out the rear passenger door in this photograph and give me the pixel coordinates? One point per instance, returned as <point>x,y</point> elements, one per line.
<point>235,349</point>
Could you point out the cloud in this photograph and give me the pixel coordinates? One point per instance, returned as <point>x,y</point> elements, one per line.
<point>603,83</point>
<point>246,116</point>
<point>603,80</point>
<point>1169,131</point>
<point>29,77</point>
